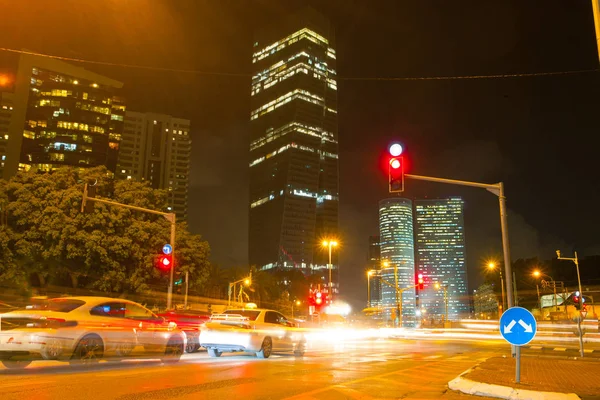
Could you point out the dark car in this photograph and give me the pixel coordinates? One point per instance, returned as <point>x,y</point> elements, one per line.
<point>189,321</point>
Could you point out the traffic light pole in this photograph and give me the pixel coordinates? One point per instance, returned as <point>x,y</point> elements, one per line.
<point>169,216</point>
<point>498,190</point>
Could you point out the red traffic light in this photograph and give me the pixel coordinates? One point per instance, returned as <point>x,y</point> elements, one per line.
<point>396,175</point>
<point>420,282</point>
<point>165,262</point>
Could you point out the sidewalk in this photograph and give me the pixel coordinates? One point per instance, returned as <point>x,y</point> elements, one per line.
<point>541,378</point>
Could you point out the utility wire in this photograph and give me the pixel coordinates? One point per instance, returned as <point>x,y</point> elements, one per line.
<point>383,78</point>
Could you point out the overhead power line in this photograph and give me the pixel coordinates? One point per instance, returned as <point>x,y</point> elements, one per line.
<point>343,78</point>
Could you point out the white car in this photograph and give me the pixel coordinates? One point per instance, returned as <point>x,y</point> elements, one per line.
<point>258,331</point>
<point>85,329</point>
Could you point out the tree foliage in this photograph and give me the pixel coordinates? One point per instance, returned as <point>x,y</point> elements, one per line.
<point>113,249</point>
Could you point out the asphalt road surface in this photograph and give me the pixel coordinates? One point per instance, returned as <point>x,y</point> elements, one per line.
<point>364,369</point>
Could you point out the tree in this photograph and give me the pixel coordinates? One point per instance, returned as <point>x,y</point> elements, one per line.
<point>114,248</point>
<point>216,283</point>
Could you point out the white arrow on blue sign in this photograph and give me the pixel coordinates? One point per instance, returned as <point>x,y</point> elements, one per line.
<point>167,249</point>
<point>518,326</point>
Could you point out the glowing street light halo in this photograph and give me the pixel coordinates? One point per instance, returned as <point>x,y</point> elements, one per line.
<point>395,163</point>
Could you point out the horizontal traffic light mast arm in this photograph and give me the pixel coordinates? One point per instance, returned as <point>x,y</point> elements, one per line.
<point>394,286</point>
<point>169,216</point>
<point>492,187</point>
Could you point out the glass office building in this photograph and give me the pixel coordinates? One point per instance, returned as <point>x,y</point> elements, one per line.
<point>397,249</point>
<point>440,242</point>
<point>293,145</point>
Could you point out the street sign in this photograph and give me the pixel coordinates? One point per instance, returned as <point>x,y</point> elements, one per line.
<point>583,314</point>
<point>518,326</point>
<point>167,249</point>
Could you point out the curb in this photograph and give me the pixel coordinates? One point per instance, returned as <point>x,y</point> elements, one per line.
<point>503,392</point>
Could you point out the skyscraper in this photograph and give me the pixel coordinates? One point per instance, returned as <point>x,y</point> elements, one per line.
<point>6,110</point>
<point>374,266</point>
<point>63,115</point>
<point>293,144</point>
<point>157,148</point>
<point>440,246</point>
<point>397,250</point>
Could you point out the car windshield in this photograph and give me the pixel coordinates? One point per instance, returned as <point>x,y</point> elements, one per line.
<point>58,305</point>
<point>250,314</point>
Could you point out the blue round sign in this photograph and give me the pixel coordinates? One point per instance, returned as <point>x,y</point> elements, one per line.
<point>167,249</point>
<point>518,326</point>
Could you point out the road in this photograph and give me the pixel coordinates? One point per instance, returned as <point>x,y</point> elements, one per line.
<point>353,370</point>
<point>349,369</point>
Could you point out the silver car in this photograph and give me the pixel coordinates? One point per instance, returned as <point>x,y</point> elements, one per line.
<point>259,331</point>
<point>85,329</point>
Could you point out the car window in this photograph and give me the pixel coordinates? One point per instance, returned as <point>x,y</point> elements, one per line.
<point>271,317</point>
<point>134,311</point>
<point>250,314</point>
<point>112,309</point>
<point>281,319</point>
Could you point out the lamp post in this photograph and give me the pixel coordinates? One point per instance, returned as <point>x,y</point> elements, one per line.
<point>369,273</point>
<point>330,244</point>
<point>576,261</point>
<point>297,302</point>
<point>492,266</point>
<point>247,281</point>
<point>537,274</point>
<point>445,287</point>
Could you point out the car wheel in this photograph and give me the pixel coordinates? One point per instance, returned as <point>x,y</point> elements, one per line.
<point>214,352</point>
<point>192,347</point>
<point>266,348</point>
<point>300,349</point>
<point>173,350</point>
<point>14,364</point>
<point>89,350</point>
<point>52,350</point>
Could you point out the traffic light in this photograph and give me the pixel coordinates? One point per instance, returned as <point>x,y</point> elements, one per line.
<point>576,301</point>
<point>396,169</point>
<point>420,283</point>
<point>396,175</point>
<point>165,262</point>
<point>318,299</point>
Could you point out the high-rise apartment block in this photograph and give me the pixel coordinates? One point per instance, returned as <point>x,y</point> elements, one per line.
<point>157,148</point>
<point>6,110</point>
<point>440,243</point>
<point>294,145</point>
<point>63,115</point>
<point>397,253</point>
<point>374,278</point>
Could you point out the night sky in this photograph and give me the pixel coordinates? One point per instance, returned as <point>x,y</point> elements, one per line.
<point>537,134</point>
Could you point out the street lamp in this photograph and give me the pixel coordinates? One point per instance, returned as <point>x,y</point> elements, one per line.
<point>538,274</point>
<point>330,244</point>
<point>492,266</point>
<point>369,273</point>
<point>297,302</point>
<point>576,261</point>
<point>246,281</point>
<point>445,287</point>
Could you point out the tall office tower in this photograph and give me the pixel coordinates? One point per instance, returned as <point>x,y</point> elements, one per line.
<point>6,110</point>
<point>157,148</point>
<point>62,117</point>
<point>374,278</point>
<point>294,145</point>
<point>397,250</point>
<point>440,236</point>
